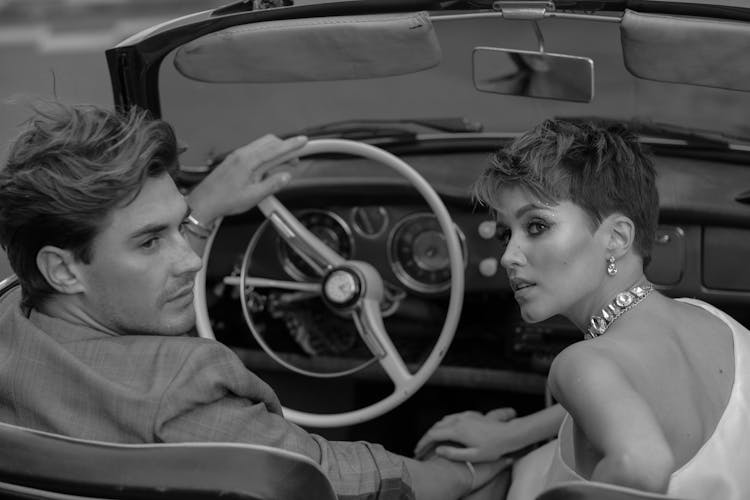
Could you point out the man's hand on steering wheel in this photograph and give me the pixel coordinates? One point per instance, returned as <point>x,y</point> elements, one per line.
<point>351,287</point>
<point>237,184</point>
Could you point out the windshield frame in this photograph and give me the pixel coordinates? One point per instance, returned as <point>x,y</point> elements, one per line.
<point>135,63</point>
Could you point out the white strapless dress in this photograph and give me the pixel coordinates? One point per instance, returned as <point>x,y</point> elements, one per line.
<point>720,470</point>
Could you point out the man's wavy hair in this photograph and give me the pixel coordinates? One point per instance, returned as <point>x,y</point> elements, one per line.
<point>602,168</point>
<point>69,167</point>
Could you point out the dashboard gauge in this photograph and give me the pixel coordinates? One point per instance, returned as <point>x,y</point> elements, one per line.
<point>419,255</point>
<point>370,221</point>
<point>330,229</point>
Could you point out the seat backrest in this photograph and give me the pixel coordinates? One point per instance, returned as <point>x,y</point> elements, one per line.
<point>40,465</point>
<point>590,490</point>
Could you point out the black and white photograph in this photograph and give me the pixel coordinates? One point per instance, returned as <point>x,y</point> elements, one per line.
<point>375,249</point>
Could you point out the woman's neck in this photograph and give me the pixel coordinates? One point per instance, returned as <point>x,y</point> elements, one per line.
<point>605,294</point>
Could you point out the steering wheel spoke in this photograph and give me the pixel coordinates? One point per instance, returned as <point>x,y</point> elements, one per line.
<point>369,322</point>
<point>309,247</point>
<point>256,282</point>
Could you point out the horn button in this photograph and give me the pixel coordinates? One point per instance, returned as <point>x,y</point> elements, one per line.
<point>342,287</point>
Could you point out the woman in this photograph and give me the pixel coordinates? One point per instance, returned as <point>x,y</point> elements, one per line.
<point>657,395</point>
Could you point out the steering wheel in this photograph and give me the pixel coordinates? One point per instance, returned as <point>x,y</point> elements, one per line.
<point>355,288</point>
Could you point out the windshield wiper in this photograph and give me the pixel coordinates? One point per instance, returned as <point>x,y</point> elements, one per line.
<point>380,132</point>
<point>667,134</point>
<point>404,130</point>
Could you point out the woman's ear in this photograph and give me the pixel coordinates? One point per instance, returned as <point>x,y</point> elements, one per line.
<point>59,268</point>
<point>620,234</point>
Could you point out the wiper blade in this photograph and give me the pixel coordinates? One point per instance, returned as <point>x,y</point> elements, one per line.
<point>660,132</point>
<point>399,130</point>
<point>391,132</point>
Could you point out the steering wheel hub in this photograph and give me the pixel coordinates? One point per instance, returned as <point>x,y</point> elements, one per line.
<point>342,288</point>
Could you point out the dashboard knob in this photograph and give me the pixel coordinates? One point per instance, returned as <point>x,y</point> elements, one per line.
<point>488,267</point>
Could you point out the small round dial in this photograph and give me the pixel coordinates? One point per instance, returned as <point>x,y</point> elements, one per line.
<point>370,221</point>
<point>330,229</point>
<point>419,254</point>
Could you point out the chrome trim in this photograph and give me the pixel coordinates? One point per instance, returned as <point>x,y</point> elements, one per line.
<point>561,15</point>
<point>8,284</point>
<point>525,10</point>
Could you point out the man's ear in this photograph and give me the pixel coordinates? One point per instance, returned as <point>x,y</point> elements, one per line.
<point>60,268</point>
<point>620,234</point>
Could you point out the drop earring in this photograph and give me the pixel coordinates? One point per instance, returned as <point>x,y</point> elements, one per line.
<point>611,267</point>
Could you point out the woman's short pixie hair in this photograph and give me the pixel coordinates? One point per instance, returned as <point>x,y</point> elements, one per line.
<point>65,172</point>
<point>601,168</point>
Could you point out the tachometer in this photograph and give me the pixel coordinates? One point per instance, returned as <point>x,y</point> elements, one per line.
<point>418,253</point>
<point>330,228</point>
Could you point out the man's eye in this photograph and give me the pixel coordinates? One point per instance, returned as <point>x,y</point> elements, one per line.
<point>150,243</point>
<point>183,226</point>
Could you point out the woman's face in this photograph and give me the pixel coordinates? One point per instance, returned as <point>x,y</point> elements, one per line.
<point>555,261</point>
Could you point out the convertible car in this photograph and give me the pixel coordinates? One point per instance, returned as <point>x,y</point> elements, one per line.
<point>369,292</point>
<point>403,102</point>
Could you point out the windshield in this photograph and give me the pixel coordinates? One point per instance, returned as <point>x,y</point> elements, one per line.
<point>239,112</point>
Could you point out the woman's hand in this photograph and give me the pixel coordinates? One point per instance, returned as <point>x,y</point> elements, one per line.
<point>475,437</point>
<point>237,184</point>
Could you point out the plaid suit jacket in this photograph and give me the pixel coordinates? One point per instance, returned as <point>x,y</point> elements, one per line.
<point>69,379</point>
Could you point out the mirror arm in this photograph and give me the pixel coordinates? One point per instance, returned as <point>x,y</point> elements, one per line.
<point>524,10</point>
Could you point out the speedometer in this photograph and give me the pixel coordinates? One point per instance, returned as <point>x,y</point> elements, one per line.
<point>418,253</point>
<point>330,229</point>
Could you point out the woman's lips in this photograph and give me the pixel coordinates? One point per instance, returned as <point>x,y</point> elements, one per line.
<point>521,287</point>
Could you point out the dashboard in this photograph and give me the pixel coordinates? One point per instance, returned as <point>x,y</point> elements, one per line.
<point>415,248</point>
<point>365,212</point>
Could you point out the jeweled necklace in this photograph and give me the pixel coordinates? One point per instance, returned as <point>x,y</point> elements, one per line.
<point>622,303</point>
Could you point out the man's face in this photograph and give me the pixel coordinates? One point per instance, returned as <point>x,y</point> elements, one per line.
<point>140,279</point>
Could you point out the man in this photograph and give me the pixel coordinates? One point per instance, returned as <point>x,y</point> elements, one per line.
<point>106,249</point>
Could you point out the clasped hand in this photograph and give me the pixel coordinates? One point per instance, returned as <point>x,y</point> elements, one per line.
<point>471,436</point>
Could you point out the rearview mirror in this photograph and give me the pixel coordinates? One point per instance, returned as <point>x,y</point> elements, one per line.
<point>533,74</point>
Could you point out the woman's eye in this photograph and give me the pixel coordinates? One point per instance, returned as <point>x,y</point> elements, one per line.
<point>536,228</point>
<point>183,226</point>
<point>502,235</point>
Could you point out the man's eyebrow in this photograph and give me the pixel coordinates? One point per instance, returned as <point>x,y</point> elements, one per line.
<point>155,228</point>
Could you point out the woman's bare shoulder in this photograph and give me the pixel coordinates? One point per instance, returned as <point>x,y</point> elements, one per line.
<point>583,367</point>
<point>705,339</point>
